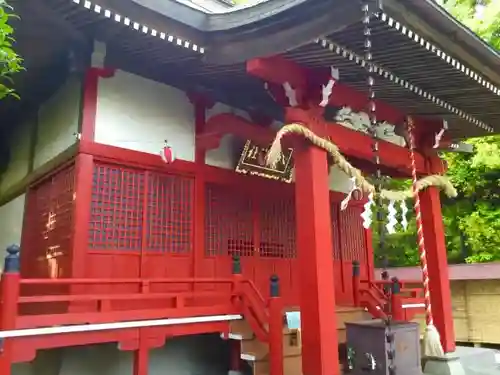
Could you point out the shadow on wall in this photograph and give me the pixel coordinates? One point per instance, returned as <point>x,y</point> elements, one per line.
<point>188,355</point>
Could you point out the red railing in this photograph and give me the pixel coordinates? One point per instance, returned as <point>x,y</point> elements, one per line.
<point>240,298</point>
<point>402,297</point>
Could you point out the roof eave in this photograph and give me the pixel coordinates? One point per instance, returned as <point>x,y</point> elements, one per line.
<point>433,22</point>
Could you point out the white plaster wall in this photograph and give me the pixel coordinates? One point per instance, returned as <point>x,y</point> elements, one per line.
<point>139,114</point>
<point>187,355</point>
<point>11,223</point>
<point>223,157</point>
<point>338,180</point>
<point>58,122</point>
<point>19,144</point>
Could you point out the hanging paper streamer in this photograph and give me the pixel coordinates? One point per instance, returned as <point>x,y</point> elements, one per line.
<point>367,212</point>
<point>326,90</point>
<point>167,154</point>
<point>391,217</point>
<point>345,201</point>
<point>404,212</point>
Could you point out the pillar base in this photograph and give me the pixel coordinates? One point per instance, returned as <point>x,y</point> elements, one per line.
<point>450,364</point>
<point>465,361</point>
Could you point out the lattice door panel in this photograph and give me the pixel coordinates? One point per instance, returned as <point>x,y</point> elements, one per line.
<point>229,230</point>
<point>169,232</point>
<point>229,223</point>
<point>277,244</point>
<point>353,247</point>
<point>336,233</point>
<point>353,239</point>
<point>48,226</point>
<point>117,208</point>
<point>170,214</point>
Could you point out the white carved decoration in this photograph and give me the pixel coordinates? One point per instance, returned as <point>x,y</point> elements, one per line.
<point>439,136</point>
<point>385,131</point>
<point>326,90</point>
<point>360,121</point>
<point>290,94</point>
<point>367,212</point>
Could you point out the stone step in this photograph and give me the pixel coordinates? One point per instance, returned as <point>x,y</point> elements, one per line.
<point>257,353</point>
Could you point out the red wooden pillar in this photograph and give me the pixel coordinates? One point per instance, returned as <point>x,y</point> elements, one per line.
<point>141,355</point>
<point>314,246</point>
<point>438,266</point>
<point>275,328</point>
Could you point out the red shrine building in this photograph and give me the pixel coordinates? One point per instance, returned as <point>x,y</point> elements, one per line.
<point>155,239</point>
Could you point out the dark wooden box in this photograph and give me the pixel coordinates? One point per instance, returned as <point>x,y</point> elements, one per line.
<point>369,339</point>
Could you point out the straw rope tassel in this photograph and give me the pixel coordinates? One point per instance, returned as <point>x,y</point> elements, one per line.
<point>432,341</point>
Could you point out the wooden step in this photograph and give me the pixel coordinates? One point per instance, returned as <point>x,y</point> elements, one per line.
<point>258,352</point>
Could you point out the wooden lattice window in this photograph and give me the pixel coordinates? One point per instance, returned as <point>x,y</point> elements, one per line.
<point>170,213</point>
<point>277,229</point>
<point>116,219</point>
<point>241,248</point>
<point>353,236</point>
<point>336,233</point>
<point>48,223</point>
<point>229,226</point>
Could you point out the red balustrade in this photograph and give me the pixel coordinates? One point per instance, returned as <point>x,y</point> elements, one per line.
<point>21,335</point>
<point>400,298</point>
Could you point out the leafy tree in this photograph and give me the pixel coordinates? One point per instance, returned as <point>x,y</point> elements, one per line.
<point>472,220</point>
<point>482,17</point>
<point>10,61</point>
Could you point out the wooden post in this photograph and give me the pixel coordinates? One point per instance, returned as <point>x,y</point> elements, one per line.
<point>397,311</point>
<point>10,297</point>
<point>439,283</point>
<point>237,276</point>
<point>275,328</point>
<point>234,357</point>
<point>141,355</point>
<point>316,273</point>
<point>356,283</point>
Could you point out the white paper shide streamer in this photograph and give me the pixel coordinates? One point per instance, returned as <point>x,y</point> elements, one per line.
<point>404,213</point>
<point>391,217</point>
<point>347,199</point>
<point>367,212</point>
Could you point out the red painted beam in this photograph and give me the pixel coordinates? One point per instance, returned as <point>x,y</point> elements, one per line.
<point>350,142</point>
<point>355,144</point>
<point>223,124</point>
<point>279,70</point>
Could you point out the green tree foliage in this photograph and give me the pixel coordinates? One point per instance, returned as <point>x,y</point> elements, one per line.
<point>472,220</point>
<point>482,17</point>
<point>10,61</point>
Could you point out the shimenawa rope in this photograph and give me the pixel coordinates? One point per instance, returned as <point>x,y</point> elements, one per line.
<point>295,128</point>
<point>432,344</point>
